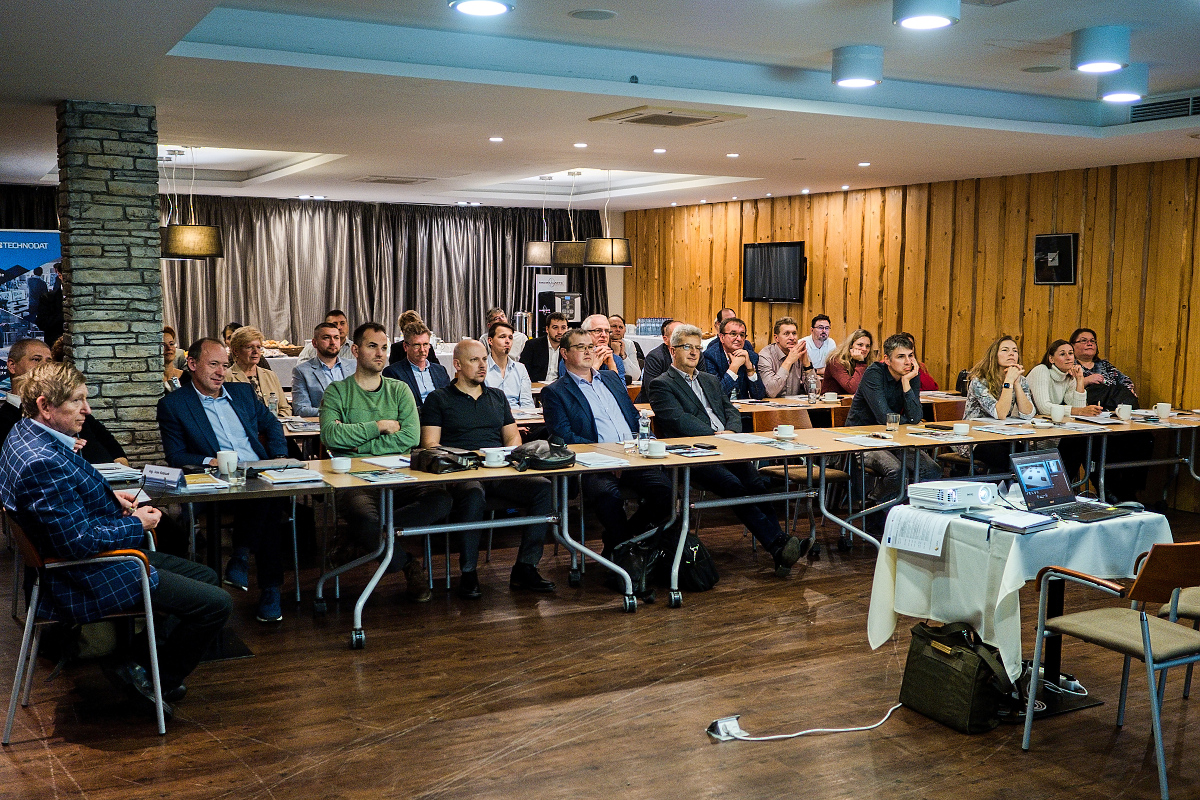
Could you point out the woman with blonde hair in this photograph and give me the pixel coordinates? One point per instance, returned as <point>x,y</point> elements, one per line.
<point>848,362</point>
<point>246,348</point>
<point>997,389</point>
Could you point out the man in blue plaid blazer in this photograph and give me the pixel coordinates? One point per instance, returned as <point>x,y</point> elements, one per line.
<point>69,512</point>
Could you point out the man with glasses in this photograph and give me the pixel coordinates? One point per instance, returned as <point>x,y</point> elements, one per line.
<point>736,366</point>
<point>597,325</point>
<point>586,406</point>
<point>690,402</point>
<point>415,368</point>
<point>818,345</point>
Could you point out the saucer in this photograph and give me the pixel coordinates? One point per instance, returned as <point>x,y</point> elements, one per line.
<point>787,437</point>
<point>494,466</point>
<point>647,455</point>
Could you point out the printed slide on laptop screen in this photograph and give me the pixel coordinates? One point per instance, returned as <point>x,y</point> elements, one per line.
<point>1043,478</point>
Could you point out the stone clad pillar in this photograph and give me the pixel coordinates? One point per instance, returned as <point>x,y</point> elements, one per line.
<point>112,307</point>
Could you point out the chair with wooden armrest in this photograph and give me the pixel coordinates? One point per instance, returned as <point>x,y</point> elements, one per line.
<point>1158,643</point>
<point>27,656</point>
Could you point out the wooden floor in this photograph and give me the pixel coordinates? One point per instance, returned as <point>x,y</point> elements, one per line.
<point>568,697</point>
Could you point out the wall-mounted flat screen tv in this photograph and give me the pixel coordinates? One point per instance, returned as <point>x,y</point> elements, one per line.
<point>774,272</point>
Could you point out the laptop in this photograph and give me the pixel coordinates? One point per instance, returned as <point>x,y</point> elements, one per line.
<point>1047,489</point>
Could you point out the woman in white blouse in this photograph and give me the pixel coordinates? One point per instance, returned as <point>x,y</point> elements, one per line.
<point>997,390</point>
<point>1058,382</point>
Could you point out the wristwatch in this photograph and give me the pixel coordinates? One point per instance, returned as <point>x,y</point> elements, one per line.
<point>1008,386</point>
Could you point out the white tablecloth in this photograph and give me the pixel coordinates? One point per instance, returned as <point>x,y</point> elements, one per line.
<point>976,580</point>
<point>648,343</point>
<point>282,366</point>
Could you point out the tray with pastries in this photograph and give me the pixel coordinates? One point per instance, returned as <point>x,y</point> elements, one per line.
<point>283,347</point>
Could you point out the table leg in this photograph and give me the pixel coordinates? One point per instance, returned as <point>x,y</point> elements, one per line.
<point>675,599</point>
<point>212,518</point>
<point>562,532</point>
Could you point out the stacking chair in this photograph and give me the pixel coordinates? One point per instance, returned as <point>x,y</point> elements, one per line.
<point>1188,608</point>
<point>953,411</point>
<point>1132,632</point>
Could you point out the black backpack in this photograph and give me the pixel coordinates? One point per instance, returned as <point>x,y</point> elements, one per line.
<point>697,570</point>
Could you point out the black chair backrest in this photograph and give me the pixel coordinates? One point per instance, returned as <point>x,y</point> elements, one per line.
<point>961,383</point>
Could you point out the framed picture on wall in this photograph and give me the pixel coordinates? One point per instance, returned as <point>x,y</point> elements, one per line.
<point>1054,257</point>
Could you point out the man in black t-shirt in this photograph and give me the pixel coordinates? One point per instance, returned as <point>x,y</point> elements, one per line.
<point>471,415</point>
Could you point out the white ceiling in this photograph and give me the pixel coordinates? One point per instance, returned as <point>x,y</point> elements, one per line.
<point>339,90</point>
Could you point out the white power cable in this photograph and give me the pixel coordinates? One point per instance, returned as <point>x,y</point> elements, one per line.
<point>728,728</point>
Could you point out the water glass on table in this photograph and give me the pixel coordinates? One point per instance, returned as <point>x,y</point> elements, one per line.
<point>893,422</point>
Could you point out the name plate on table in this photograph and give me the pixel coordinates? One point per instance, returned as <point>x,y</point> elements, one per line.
<point>166,477</point>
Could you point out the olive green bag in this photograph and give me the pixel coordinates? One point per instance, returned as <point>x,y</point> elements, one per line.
<point>952,677</point>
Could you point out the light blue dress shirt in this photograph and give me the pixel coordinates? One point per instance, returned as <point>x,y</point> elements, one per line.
<point>514,382</point>
<point>230,432</point>
<point>66,440</point>
<point>423,378</point>
<point>611,425</point>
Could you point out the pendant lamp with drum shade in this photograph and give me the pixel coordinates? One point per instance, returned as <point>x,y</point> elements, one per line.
<point>607,251</point>
<point>564,253</point>
<point>189,241</point>
<point>538,254</point>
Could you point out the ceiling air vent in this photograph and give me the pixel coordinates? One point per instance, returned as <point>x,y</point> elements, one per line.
<point>666,117</point>
<point>392,180</point>
<point>1165,109</point>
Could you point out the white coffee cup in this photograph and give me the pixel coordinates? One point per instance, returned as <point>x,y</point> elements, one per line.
<point>962,428</point>
<point>1162,410</point>
<point>493,456</point>
<point>1124,412</point>
<point>658,448</point>
<point>830,397</point>
<point>340,464</point>
<point>1058,413</point>
<point>785,430</point>
<point>227,461</point>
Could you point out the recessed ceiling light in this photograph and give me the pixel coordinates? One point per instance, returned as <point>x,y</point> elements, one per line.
<point>1101,49</point>
<point>593,14</point>
<point>864,163</point>
<point>1039,69</point>
<point>476,204</point>
<point>1127,86</point>
<point>461,203</point>
<point>674,204</point>
<point>731,155</point>
<point>305,196</point>
<point>495,138</point>
<point>581,145</point>
<point>768,194</point>
<point>735,197</point>
<point>925,15</point>
<point>318,197</point>
<point>704,201</point>
<point>857,66</point>
<point>804,191</point>
<point>845,186</point>
<point>480,8</point>
<point>660,150</point>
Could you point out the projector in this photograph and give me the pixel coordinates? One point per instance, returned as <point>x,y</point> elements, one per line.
<point>951,495</point>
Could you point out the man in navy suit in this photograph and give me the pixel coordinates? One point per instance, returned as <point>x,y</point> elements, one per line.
<point>68,511</point>
<point>735,364</point>
<point>422,375</point>
<point>587,406</point>
<point>209,415</point>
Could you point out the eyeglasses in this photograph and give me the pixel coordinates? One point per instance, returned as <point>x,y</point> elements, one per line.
<point>821,327</point>
<point>687,348</point>
<point>735,334</point>
<point>583,348</point>
<point>1082,340</point>
<point>253,347</point>
<point>598,330</point>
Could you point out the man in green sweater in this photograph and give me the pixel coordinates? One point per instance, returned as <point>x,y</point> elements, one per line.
<point>370,415</point>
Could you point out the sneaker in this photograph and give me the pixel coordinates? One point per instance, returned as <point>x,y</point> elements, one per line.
<point>526,576</point>
<point>468,586</point>
<point>792,551</point>
<point>237,573</point>
<point>418,584</point>
<point>270,605</point>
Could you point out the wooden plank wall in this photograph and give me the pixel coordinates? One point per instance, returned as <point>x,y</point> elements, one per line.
<point>952,264</point>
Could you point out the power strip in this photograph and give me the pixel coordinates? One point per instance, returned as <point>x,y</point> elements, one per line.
<point>726,729</point>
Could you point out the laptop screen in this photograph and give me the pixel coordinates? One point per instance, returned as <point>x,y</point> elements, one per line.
<point>1043,478</point>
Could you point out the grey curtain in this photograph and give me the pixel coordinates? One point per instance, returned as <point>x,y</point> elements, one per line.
<point>288,261</point>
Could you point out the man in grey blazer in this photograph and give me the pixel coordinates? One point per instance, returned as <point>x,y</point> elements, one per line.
<point>310,378</point>
<point>689,402</point>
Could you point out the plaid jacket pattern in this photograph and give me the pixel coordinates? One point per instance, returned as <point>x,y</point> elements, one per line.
<point>69,511</point>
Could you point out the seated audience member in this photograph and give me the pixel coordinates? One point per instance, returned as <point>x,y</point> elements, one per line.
<point>339,318</point>
<point>889,386</point>
<point>208,414</point>
<point>690,402</point>
<point>735,367</point>
<point>504,372</point>
<point>658,360</point>
<point>997,389</point>
<point>848,362</point>
<point>604,358</point>
<point>540,355</point>
<point>69,512</point>
<point>370,414</point>
<point>94,443</point>
<point>928,384</point>
<point>586,406</point>
<point>722,315</point>
<point>1058,382</point>
<point>472,415</point>
<point>495,315</point>
<point>782,364</point>
<point>818,344</point>
<point>1108,387</point>
<point>310,378</point>
<point>171,373</point>
<point>246,346</point>
<point>415,367</point>
<point>633,358</point>
<point>403,321</point>
<point>228,331</point>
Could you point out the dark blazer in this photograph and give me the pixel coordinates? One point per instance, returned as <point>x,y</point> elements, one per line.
<point>536,358</point>
<point>188,437</point>
<point>657,362</point>
<point>101,448</point>
<point>569,415</point>
<point>402,371</point>
<point>717,363</point>
<point>678,412</point>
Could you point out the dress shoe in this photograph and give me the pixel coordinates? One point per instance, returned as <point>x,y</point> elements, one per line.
<point>132,678</point>
<point>525,576</point>
<point>237,573</point>
<point>468,586</point>
<point>270,605</point>
<point>792,551</point>
<point>176,694</point>
<point>418,584</point>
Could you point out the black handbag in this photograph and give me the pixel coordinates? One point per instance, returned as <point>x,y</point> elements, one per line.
<point>697,570</point>
<point>442,459</point>
<point>1109,396</point>
<point>639,559</point>
<point>952,677</point>
<point>542,454</point>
